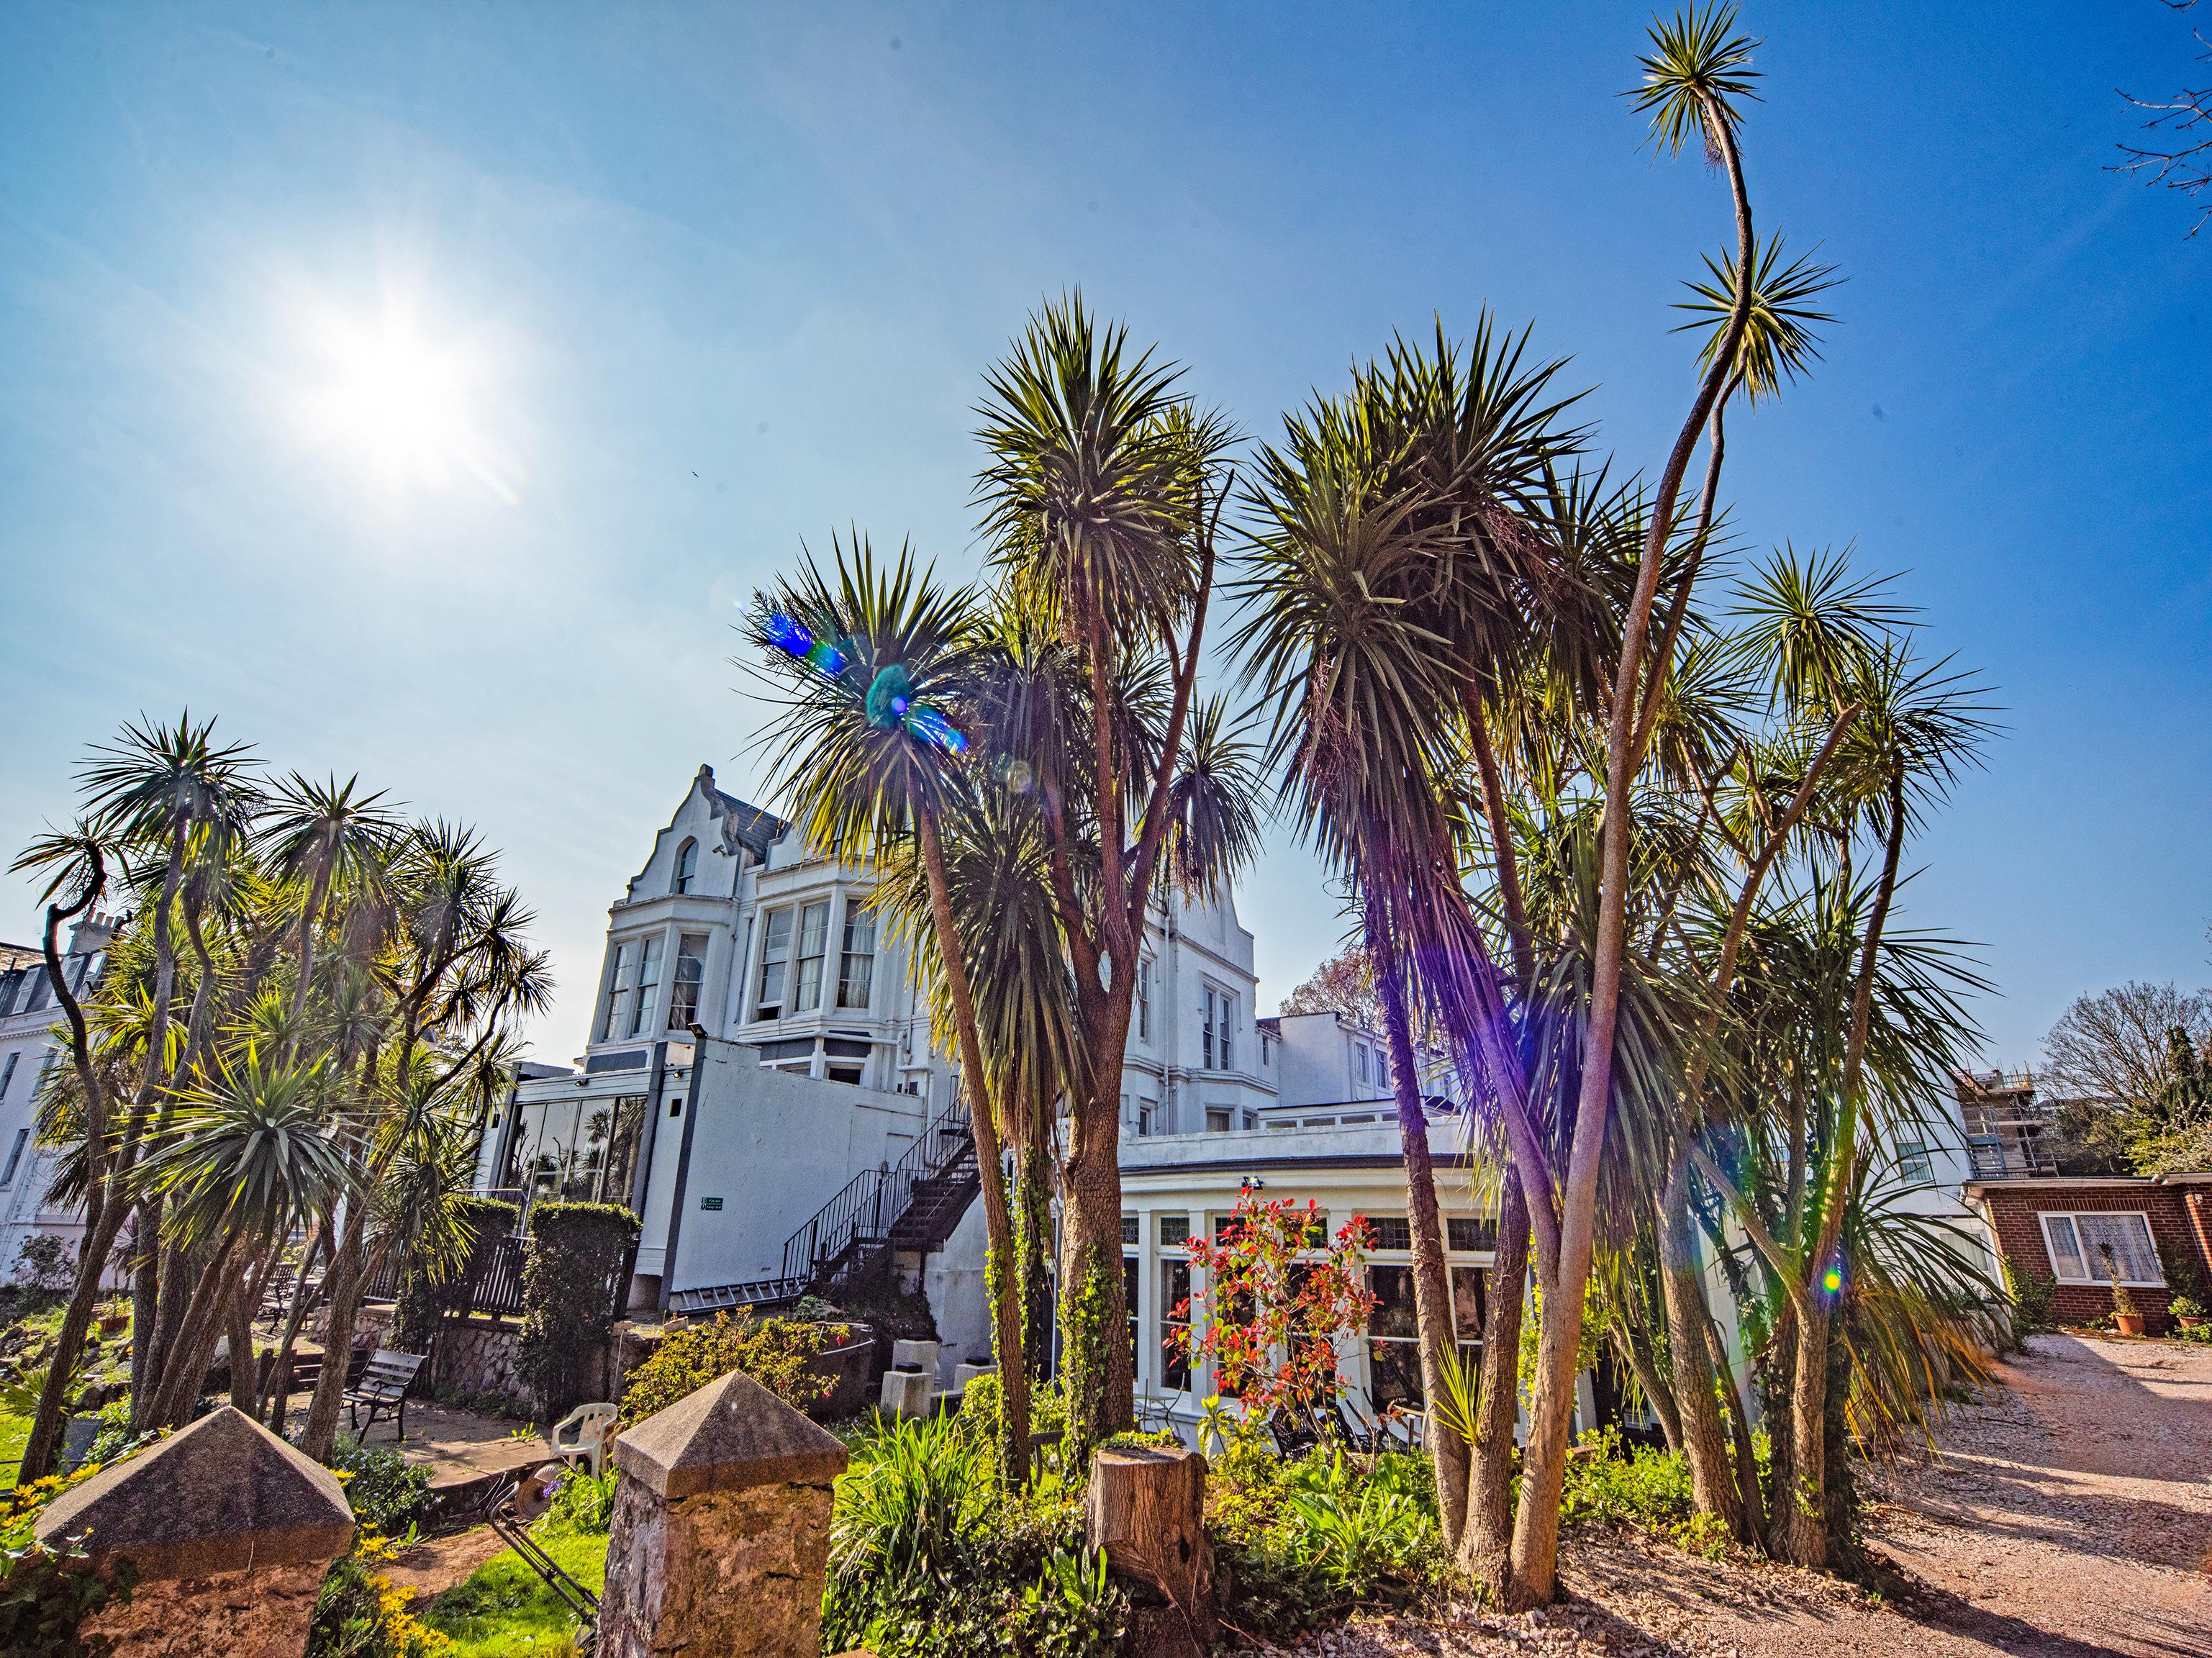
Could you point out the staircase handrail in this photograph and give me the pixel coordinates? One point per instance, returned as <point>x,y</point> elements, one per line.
<point>870,1204</point>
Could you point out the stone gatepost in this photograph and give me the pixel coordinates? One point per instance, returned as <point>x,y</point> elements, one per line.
<point>232,1531</point>
<point>721,1529</point>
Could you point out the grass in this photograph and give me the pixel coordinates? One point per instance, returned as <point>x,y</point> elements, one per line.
<point>14,1432</point>
<point>504,1609</point>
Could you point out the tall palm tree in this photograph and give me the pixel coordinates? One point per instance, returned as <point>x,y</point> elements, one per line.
<point>1102,495</point>
<point>879,660</point>
<point>1400,560</point>
<point>1697,76</point>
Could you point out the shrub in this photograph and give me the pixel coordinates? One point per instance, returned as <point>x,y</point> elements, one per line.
<point>46,1593</point>
<point>583,1503</point>
<point>569,1299</point>
<point>1651,1489</point>
<point>928,1556</point>
<point>43,1263</point>
<point>359,1614</point>
<point>1302,1544</point>
<point>387,1493</point>
<point>2031,1292</point>
<point>773,1353</point>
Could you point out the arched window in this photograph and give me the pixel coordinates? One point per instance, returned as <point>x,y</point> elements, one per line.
<point>687,865</point>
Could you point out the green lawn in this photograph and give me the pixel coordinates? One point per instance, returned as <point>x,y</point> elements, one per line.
<point>15,1431</point>
<point>504,1609</point>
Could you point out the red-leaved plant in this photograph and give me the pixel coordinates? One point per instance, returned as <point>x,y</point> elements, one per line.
<point>1282,1292</point>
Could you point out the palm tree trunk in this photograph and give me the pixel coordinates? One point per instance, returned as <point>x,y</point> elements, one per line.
<point>1486,1548</point>
<point>193,1350</point>
<point>145,1308</point>
<point>269,1407</point>
<point>346,1281</point>
<point>1712,1484</point>
<point>1635,1345</point>
<point>1003,1267</point>
<point>1432,1308</point>
<point>1754,1530</point>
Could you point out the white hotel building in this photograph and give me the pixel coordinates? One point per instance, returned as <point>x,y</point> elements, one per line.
<point>815,1100</point>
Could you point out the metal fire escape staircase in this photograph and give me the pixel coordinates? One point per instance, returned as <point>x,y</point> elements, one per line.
<point>910,1208</point>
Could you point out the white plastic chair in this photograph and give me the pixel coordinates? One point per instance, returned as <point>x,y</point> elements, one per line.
<point>582,1435</point>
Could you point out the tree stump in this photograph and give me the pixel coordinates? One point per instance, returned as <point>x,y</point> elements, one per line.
<point>1146,1509</point>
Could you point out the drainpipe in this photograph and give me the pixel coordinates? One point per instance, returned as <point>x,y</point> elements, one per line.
<point>643,1172</point>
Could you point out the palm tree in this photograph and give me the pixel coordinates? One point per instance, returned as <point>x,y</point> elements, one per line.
<point>1696,78</point>
<point>867,751</point>
<point>333,836</point>
<point>1400,560</point>
<point>1102,495</point>
<point>246,1157</point>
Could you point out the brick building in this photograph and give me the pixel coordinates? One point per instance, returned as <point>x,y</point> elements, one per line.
<point>2083,1231</point>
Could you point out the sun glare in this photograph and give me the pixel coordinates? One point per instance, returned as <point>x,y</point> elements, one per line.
<point>399,403</point>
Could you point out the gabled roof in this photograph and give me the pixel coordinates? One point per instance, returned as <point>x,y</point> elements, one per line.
<point>746,824</point>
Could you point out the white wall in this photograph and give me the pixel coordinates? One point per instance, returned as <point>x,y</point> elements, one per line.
<point>774,1148</point>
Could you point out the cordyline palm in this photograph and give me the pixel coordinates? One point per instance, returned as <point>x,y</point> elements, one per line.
<point>860,782</point>
<point>244,1158</point>
<point>332,836</point>
<point>450,970</point>
<point>1696,80</point>
<point>1101,496</point>
<point>1399,560</point>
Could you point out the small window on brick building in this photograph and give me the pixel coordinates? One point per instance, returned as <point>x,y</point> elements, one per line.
<point>2089,1248</point>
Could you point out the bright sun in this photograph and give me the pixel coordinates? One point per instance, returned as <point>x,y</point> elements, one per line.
<point>402,405</point>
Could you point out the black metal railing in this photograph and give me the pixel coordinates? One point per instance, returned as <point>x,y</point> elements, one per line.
<point>867,1207</point>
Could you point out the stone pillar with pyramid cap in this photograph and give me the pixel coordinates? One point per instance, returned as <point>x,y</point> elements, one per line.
<point>721,1528</point>
<point>232,1532</point>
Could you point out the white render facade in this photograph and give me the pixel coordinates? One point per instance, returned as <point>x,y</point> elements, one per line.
<point>32,1040</point>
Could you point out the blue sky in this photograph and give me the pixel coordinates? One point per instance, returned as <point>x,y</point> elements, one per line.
<point>694,282</point>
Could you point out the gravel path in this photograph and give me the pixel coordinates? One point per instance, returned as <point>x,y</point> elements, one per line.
<point>2071,1516</point>
<point>2074,1507</point>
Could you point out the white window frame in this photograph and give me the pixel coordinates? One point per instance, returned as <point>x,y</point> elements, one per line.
<point>696,983</point>
<point>15,1155</point>
<point>2095,1279</point>
<point>687,866</point>
<point>859,929</point>
<point>776,955</point>
<point>617,970</point>
<point>1145,1000</point>
<point>650,951</point>
<point>1218,1035</point>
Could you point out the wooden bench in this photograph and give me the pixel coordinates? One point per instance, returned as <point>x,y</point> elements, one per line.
<point>383,1388</point>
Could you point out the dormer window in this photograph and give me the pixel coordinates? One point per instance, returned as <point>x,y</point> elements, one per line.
<point>687,866</point>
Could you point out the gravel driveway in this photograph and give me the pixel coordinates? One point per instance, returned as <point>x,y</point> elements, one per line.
<point>2071,1513</point>
<point>2071,1516</point>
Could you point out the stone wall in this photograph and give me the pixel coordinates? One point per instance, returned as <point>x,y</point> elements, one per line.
<point>2014,1208</point>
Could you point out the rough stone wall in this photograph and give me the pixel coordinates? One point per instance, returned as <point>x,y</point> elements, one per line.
<point>2013,1215</point>
<point>253,1613</point>
<point>725,1572</point>
<point>477,1356</point>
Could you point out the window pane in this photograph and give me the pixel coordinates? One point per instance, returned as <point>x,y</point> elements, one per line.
<point>1462,1232</point>
<point>1393,1290</point>
<point>2065,1251</point>
<point>1175,1321</point>
<point>1217,1119</point>
<point>691,971</point>
<point>776,963</point>
<point>1394,1371</point>
<point>1175,1231</point>
<point>648,984</point>
<point>856,964</point>
<point>813,940</point>
<point>687,865</point>
<point>1391,1231</point>
<point>1130,1229</point>
<point>2119,1243</point>
<point>617,982</point>
<point>1469,1304</point>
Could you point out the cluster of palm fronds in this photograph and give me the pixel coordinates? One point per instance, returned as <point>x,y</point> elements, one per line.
<point>283,1065</point>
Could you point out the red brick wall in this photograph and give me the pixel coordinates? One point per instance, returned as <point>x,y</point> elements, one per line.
<point>2014,1211</point>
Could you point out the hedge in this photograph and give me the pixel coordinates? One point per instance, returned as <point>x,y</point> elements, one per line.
<point>570,1302</point>
<point>423,1305</point>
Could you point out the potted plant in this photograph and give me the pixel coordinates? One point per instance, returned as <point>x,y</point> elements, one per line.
<point>2126,1319</point>
<point>2187,1311</point>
